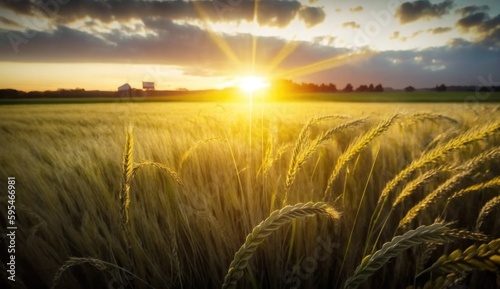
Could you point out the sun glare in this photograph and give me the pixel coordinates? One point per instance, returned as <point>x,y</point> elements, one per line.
<point>252,83</point>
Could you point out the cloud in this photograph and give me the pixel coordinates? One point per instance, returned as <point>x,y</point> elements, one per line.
<point>351,24</point>
<point>8,22</point>
<point>472,20</point>
<point>270,12</point>
<point>472,9</point>
<point>312,16</point>
<point>174,44</point>
<point>324,40</point>
<point>356,9</point>
<point>422,9</point>
<point>486,30</point>
<point>439,30</point>
<point>395,35</point>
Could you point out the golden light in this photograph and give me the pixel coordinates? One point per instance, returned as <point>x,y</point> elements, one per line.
<point>252,83</point>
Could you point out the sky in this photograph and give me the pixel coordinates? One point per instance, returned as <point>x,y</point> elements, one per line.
<point>205,44</point>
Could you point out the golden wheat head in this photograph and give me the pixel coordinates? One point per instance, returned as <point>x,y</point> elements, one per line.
<point>272,223</point>
<point>73,261</point>
<point>436,232</point>
<point>355,148</point>
<point>127,173</point>
<point>486,257</point>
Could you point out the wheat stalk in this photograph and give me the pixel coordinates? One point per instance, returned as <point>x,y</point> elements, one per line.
<point>464,170</point>
<point>172,173</point>
<point>486,210</point>
<point>99,264</point>
<point>472,135</point>
<point>127,174</point>
<point>299,158</point>
<point>355,148</point>
<point>272,223</point>
<point>187,153</point>
<point>415,184</point>
<point>495,182</point>
<point>486,257</point>
<point>73,261</point>
<point>424,116</point>
<point>302,139</point>
<point>436,232</point>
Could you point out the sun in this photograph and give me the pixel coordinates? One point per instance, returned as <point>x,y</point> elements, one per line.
<point>252,83</point>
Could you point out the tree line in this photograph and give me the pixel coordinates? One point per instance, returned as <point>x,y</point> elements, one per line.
<point>288,85</point>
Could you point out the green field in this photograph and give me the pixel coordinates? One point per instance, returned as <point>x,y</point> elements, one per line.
<point>145,194</point>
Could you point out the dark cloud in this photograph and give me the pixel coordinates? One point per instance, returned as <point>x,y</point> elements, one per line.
<point>458,65</point>
<point>472,20</point>
<point>174,44</point>
<point>312,16</point>
<point>270,12</point>
<point>486,30</point>
<point>472,9</point>
<point>351,24</point>
<point>356,9</point>
<point>422,9</point>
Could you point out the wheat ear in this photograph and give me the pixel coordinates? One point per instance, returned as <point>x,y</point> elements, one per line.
<point>426,116</point>
<point>259,233</point>
<point>486,210</point>
<point>172,173</point>
<point>495,182</point>
<point>355,148</point>
<point>127,174</point>
<point>99,264</point>
<point>415,184</point>
<point>485,257</point>
<point>73,261</point>
<point>464,170</point>
<point>187,153</point>
<point>300,157</point>
<point>472,135</point>
<point>436,232</point>
<point>302,139</point>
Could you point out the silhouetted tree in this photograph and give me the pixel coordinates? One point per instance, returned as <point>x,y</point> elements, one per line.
<point>371,88</point>
<point>348,88</point>
<point>441,88</point>
<point>362,88</point>
<point>410,89</point>
<point>379,88</point>
<point>332,87</point>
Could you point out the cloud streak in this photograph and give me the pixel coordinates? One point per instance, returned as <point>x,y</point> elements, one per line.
<point>422,9</point>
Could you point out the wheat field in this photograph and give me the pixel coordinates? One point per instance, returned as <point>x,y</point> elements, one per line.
<point>276,195</point>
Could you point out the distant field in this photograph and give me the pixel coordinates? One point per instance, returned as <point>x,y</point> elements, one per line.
<point>162,195</point>
<point>419,96</point>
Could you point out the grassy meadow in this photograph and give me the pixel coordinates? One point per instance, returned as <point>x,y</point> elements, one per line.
<point>162,195</point>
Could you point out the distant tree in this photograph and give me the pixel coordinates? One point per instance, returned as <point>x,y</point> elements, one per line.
<point>362,88</point>
<point>332,87</point>
<point>410,89</point>
<point>370,88</point>
<point>348,88</point>
<point>379,88</point>
<point>441,88</point>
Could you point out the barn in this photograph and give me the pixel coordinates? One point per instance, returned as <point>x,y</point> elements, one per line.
<point>125,90</point>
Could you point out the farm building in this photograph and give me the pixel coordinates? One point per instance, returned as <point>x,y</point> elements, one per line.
<point>125,90</point>
<point>148,85</point>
